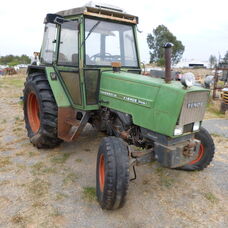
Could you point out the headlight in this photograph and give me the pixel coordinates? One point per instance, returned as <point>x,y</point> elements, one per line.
<point>178,130</point>
<point>196,126</point>
<point>188,79</point>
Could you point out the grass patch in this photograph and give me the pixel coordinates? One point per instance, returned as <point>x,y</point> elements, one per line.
<point>40,168</point>
<point>32,154</point>
<point>4,170</point>
<point>36,169</point>
<point>55,212</point>
<point>70,178</point>
<point>15,82</point>
<point>3,121</point>
<point>60,196</point>
<point>17,219</point>
<point>17,118</point>
<point>18,129</point>
<point>159,169</point>
<point>18,121</point>
<point>20,153</point>
<point>4,182</point>
<point>60,159</point>
<point>38,204</point>
<point>215,135</point>
<point>21,103</point>
<point>49,170</point>
<point>145,182</point>
<point>211,197</point>
<point>20,166</point>
<point>4,86</point>
<point>211,108</point>
<point>38,187</point>
<point>164,179</point>
<point>4,161</point>
<point>89,193</point>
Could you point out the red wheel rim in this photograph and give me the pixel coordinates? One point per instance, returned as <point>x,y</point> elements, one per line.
<point>200,155</point>
<point>33,112</point>
<point>101,172</point>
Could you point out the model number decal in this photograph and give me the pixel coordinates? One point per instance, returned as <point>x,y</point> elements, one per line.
<point>135,100</point>
<point>125,98</point>
<point>108,93</point>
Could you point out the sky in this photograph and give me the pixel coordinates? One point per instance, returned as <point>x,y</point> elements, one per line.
<point>201,25</point>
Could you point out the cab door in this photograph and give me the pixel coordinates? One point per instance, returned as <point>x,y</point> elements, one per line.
<point>67,63</point>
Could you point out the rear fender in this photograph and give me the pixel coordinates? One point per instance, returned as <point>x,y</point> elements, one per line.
<point>54,82</point>
<point>34,68</point>
<point>69,128</point>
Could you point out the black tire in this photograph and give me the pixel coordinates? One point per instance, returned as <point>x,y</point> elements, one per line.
<point>206,152</point>
<point>223,108</point>
<point>40,112</point>
<point>112,185</point>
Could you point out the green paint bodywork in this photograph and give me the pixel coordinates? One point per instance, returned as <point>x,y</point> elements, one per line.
<point>61,97</point>
<point>153,104</point>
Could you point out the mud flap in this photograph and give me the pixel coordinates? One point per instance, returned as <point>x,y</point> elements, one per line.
<point>69,127</point>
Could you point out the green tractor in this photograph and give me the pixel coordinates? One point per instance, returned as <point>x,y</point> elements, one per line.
<point>89,72</point>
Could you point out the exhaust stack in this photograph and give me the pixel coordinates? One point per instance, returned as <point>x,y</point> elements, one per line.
<point>168,52</point>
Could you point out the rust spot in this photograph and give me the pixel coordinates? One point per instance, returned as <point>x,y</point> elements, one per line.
<point>64,128</point>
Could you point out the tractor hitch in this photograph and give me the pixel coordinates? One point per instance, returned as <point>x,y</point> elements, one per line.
<point>140,158</point>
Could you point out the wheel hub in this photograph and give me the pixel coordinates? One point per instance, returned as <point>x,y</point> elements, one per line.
<point>101,172</point>
<point>200,155</point>
<point>33,112</point>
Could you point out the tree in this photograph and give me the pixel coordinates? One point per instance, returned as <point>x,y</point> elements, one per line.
<point>157,40</point>
<point>13,60</point>
<point>225,59</point>
<point>24,59</point>
<point>212,61</point>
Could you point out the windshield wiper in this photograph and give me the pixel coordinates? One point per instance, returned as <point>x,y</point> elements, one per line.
<point>90,31</point>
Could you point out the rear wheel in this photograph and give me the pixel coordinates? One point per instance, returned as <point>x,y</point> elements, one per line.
<point>112,173</point>
<point>205,154</point>
<point>40,112</point>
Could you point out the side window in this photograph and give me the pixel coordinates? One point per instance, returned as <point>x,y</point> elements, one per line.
<point>129,48</point>
<point>49,44</point>
<point>68,48</point>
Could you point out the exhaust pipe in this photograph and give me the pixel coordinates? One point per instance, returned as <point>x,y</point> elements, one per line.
<point>168,53</point>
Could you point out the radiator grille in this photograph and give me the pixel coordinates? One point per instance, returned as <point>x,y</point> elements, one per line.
<point>194,107</point>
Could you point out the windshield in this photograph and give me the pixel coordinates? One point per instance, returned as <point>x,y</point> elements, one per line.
<point>108,42</point>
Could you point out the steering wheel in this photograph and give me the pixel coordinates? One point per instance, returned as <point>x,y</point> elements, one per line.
<point>93,57</point>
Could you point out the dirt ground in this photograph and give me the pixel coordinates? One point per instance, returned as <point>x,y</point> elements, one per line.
<point>56,188</point>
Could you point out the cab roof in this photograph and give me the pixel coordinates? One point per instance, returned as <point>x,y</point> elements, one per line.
<point>101,11</point>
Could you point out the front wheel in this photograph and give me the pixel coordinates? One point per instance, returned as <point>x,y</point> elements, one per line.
<point>112,174</point>
<point>205,154</point>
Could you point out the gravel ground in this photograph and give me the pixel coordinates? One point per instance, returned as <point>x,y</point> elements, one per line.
<point>55,188</point>
<point>217,126</point>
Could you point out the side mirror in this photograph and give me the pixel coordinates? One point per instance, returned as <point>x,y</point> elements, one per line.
<point>54,19</point>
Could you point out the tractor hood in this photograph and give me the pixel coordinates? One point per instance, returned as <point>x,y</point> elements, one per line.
<point>152,103</point>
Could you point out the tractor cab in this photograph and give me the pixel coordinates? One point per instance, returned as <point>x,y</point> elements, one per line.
<point>81,42</point>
